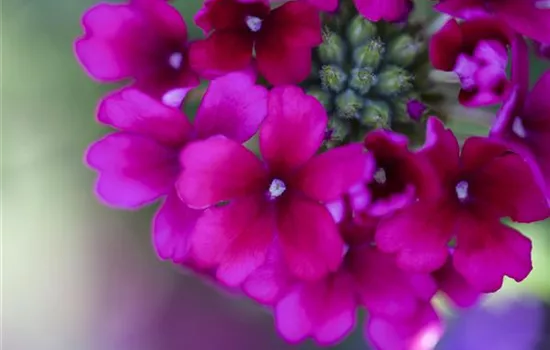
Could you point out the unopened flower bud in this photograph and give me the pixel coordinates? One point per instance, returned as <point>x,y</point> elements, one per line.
<point>338,133</point>
<point>333,49</point>
<point>348,104</point>
<point>370,54</point>
<point>376,114</point>
<point>404,50</point>
<point>360,30</point>
<point>362,79</point>
<point>332,78</point>
<point>394,80</point>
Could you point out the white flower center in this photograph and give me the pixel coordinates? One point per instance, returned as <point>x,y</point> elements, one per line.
<point>518,128</point>
<point>175,60</point>
<point>277,188</point>
<point>253,23</point>
<point>462,190</point>
<point>174,97</point>
<point>380,176</point>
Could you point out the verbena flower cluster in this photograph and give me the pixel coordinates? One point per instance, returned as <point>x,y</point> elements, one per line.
<point>318,176</point>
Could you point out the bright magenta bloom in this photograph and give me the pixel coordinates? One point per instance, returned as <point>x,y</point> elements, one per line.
<point>478,192</point>
<point>281,38</point>
<point>277,201</point>
<point>138,164</point>
<point>141,40</point>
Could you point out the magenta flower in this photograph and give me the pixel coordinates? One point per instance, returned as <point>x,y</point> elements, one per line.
<point>482,184</point>
<point>542,50</point>
<point>400,177</point>
<point>138,164</point>
<point>277,200</point>
<point>524,124</point>
<point>477,51</point>
<point>282,39</point>
<point>142,40</point>
<point>326,309</point>
<point>528,17</point>
<point>455,287</point>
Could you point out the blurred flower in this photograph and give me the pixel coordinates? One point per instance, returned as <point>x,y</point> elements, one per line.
<point>523,123</point>
<point>282,39</point>
<point>528,17</point>
<point>281,195</point>
<point>542,50</point>
<point>142,40</point>
<point>477,192</point>
<point>138,164</point>
<point>477,51</point>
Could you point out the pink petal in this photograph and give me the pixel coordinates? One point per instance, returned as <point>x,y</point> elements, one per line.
<point>282,65</point>
<point>325,310</point>
<point>310,241</point>
<point>526,17</point>
<point>537,105</point>
<point>222,52</point>
<point>518,197</point>
<point>445,46</point>
<point>269,282</point>
<point>173,225</point>
<point>232,106</point>
<point>420,332</point>
<point>293,130</point>
<point>388,10</point>
<point>419,234</point>
<point>332,174</point>
<point>219,169</point>
<point>453,284</point>
<point>294,24</point>
<point>487,251</point>
<point>235,237</point>
<point>133,111</point>
<point>325,5</point>
<point>384,288</point>
<point>133,170</point>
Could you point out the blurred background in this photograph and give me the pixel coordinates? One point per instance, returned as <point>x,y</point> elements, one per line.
<point>80,276</point>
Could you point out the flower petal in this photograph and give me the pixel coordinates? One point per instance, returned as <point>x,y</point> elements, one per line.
<point>487,251</point>
<point>235,237</point>
<point>232,106</point>
<point>310,241</point>
<point>219,169</point>
<point>293,129</point>
<point>173,225</point>
<point>332,174</point>
<point>453,284</point>
<point>133,170</point>
<point>133,111</point>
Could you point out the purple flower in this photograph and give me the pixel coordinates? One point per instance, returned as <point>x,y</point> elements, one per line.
<point>477,51</point>
<point>142,40</point>
<point>282,39</point>
<point>138,163</point>
<point>278,198</point>
<point>523,123</point>
<point>481,184</point>
<point>527,17</point>
<point>542,50</point>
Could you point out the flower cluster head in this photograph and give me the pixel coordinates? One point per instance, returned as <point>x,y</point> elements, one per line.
<point>318,176</point>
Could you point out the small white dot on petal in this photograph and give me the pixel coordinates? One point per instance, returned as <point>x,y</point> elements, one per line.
<point>518,128</point>
<point>174,97</point>
<point>175,60</point>
<point>462,190</point>
<point>253,23</point>
<point>380,176</point>
<point>277,188</point>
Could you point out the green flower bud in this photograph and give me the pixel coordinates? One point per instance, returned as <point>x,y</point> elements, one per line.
<point>376,114</point>
<point>394,80</point>
<point>339,132</point>
<point>332,78</point>
<point>370,54</point>
<point>322,96</point>
<point>404,50</point>
<point>332,50</point>
<point>348,104</point>
<point>360,30</point>
<point>362,79</point>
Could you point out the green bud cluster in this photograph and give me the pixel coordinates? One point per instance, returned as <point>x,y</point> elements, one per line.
<point>365,73</point>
